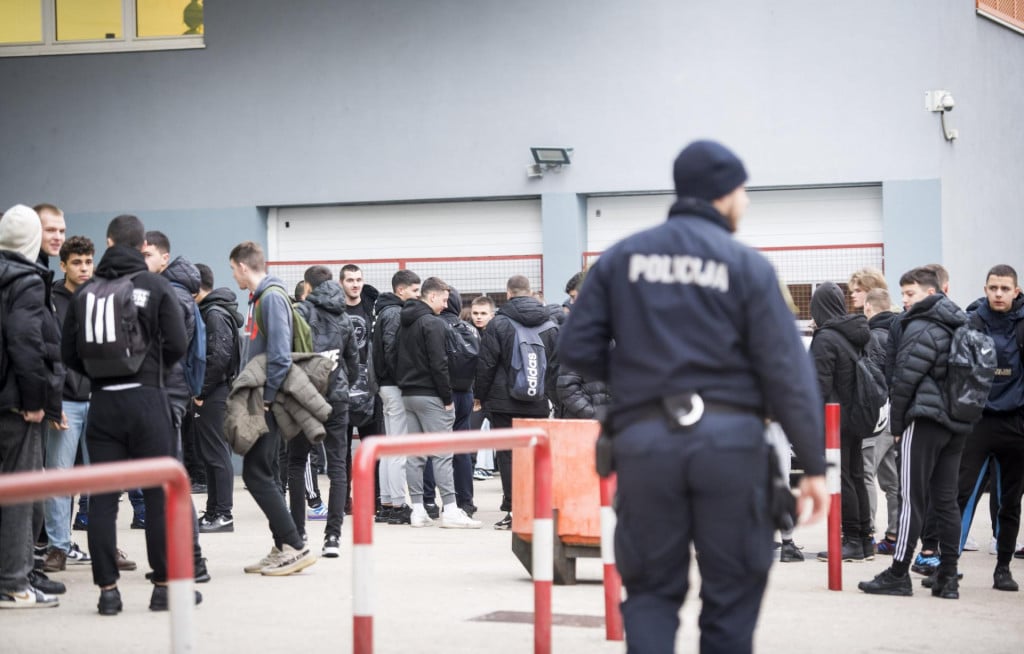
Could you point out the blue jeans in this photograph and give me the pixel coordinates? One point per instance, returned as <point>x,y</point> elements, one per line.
<point>61,448</point>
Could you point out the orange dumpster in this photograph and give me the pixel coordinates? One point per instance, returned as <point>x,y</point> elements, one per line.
<point>575,493</point>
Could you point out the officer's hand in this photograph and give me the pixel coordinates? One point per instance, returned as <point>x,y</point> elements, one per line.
<point>812,489</point>
<point>33,416</point>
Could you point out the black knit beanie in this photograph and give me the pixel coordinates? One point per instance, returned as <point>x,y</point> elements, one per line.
<point>707,170</point>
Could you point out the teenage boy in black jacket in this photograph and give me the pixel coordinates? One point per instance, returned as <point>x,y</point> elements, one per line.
<point>130,417</point>
<point>219,308</point>
<point>931,441</point>
<point>837,334</point>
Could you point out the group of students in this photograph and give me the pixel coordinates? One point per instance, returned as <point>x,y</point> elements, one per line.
<point>930,459</point>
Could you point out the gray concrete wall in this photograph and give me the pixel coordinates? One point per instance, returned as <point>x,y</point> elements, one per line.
<point>348,101</point>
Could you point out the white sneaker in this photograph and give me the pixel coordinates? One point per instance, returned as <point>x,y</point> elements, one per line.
<point>419,517</point>
<point>455,518</point>
<point>30,598</point>
<point>269,559</point>
<point>970,545</point>
<point>992,547</point>
<point>289,562</point>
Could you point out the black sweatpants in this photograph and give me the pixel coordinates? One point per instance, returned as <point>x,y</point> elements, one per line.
<point>259,472</point>
<point>929,465</point>
<point>503,460</point>
<point>705,485</point>
<point>337,456</point>
<point>999,440</point>
<point>856,509</point>
<point>123,425</point>
<point>214,452</point>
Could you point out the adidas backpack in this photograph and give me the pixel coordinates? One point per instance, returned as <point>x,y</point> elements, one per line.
<point>112,341</point>
<point>529,362</point>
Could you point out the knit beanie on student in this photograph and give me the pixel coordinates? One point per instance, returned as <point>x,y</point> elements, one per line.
<point>707,170</point>
<point>21,231</point>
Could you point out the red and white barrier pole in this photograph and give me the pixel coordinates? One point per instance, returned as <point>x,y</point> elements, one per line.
<point>20,487</point>
<point>612,581</point>
<point>834,486</point>
<point>455,442</point>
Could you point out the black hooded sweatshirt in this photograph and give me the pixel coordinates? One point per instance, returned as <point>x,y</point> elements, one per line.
<point>422,357</point>
<point>220,314</point>
<point>159,314</point>
<point>494,367</point>
<point>837,332</point>
<point>76,385</point>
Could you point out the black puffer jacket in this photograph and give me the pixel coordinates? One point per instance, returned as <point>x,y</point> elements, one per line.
<point>33,372</point>
<point>387,321</point>
<point>493,369</point>
<point>333,336</point>
<point>879,324</point>
<point>76,386</point>
<point>422,358</point>
<point>220,314</point>
<point>580,398</point>
<point>830,346</point>
<point>922,354</point>
<point>184,278</point>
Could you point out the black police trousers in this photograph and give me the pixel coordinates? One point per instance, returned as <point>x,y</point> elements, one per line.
<point>706,485</point>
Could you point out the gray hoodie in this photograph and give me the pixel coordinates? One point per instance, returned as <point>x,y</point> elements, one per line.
<point>275,310</point>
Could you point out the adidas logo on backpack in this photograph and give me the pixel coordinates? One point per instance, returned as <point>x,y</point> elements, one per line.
<point>111,340</point>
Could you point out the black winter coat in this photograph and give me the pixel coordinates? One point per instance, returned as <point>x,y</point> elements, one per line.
<point>422,357</point>
<point>922,354</point>
<point>220,314</point>
<point>76,385</point>
<point>493,369</point>
<point>879,324</point>
<point>184,278</point>
<point>835,366</point>
<point>387,321</point>
<point>580,398</point>
<point>333,335</point>
<point>33,372</point>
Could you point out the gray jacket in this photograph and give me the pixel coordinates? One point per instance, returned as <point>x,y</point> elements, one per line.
<point>298,406</point>
<point>276,313</point>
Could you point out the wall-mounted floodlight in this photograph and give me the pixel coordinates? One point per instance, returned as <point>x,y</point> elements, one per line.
<point>546,159</point>
<point>942,102</point>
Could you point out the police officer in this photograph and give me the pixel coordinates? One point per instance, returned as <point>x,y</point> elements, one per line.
<point>704,347</point>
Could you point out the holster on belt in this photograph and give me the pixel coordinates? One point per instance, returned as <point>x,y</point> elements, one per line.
<point>781,502</point>
<point>603,456</point>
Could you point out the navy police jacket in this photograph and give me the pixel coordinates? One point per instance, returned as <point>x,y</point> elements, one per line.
<point>690,309</point>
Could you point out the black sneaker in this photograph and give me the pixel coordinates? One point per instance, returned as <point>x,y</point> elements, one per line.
<point>198,488</point>
<point>202,574</point>
<point>1001,580</point>
<point>469,508</point>
<point>81,522</point>
<point>384,515</point>
<point>505,523</point>
<point>138,522</point>
<point>110,602</point>
<point>852,551</point>
<point>432,511</point>
<point>946,587</point>
<point>886,583</point>
<point>43,583</point>
<point>400,515</point>
<point>216,524</point>
<point>867,546</point>
<point>789,552</point>
<point>929,581</point>
<point>332,547</point>
<point>158,600</point>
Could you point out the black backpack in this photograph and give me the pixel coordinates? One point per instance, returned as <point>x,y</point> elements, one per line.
<point>865,413</point>
<point>529,362</point>
<point>462,345</point>
<point>970,371</point>
<point>112,341</point>
<point>235,363</point>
